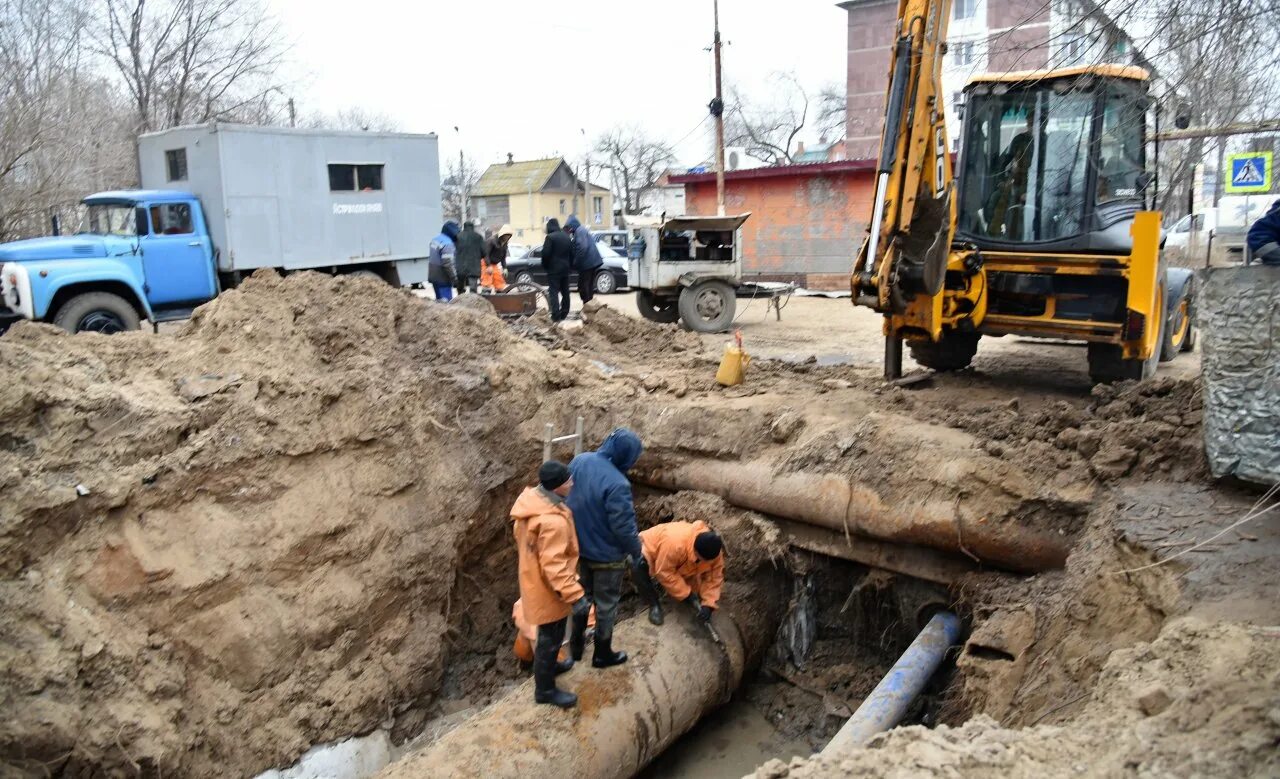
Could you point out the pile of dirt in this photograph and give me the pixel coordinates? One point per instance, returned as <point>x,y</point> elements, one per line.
<point>1146,429</point>
<point>605,330</point>
<point>270,530</point>
<point>1200,700</point>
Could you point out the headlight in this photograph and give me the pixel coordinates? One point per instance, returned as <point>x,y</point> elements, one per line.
<point>15,288</point>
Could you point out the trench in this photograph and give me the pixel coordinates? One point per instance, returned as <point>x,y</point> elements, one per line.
<point>840,626</point>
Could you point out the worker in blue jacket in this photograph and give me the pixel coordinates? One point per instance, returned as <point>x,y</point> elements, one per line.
<point>586,257</point>
<point>605,516</point>
<point>1264,237</point>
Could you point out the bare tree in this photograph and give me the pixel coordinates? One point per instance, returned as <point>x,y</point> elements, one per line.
<point>636,161</point>
<point>769,131</point>
<point>831,112</point>
<point>184,61</point>
<point>354,118</point>
<point>59,123</point>
<point>461,177</point>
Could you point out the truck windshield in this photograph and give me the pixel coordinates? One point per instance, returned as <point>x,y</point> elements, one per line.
<point>1026,159</point>
<point>111,219</point>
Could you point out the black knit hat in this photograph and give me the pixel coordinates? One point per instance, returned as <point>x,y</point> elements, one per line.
<point>552,474</point>
<point>707,545</point>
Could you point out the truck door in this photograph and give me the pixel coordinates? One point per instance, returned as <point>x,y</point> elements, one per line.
<point>177,258</point>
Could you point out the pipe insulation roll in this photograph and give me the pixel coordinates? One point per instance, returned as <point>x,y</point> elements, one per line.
<point>888,702</point>
<point>994,530</point>
<point>626,715</point>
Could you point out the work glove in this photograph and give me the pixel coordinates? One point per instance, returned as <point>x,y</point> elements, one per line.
<point>581,606</point>
<point>704,613</point>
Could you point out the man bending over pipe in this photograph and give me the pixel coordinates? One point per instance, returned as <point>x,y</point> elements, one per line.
<point>605,515</point>
<point>547,547</point>
<point>687,559</point>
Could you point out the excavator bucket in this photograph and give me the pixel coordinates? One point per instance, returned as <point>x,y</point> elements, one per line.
<point>925,246</point>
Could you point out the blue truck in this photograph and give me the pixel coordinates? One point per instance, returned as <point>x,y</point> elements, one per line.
<point>221,202</point>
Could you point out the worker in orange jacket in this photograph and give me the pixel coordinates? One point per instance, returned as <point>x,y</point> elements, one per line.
<point>527,634</point>
<point>547,549</point>
<point>687,559</point>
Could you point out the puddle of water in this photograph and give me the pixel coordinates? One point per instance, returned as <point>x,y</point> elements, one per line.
<point>729,744</point>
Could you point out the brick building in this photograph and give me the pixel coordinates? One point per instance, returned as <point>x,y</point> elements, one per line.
<point>983,36</point>
<point>806,223</point>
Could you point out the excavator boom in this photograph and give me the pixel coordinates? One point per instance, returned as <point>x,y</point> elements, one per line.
<point>913,216</point>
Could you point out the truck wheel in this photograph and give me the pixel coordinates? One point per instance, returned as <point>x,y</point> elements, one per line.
<point>97,312</point>
<point>708,306</point>
<point>365,274</point>
<point>661,310</point>
<point>953,352</point>
<point>1177,331</point>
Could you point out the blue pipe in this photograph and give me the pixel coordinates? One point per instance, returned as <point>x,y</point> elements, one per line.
<point>888,702</point>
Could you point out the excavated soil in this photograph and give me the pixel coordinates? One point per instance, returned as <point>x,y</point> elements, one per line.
<point>285,524</point>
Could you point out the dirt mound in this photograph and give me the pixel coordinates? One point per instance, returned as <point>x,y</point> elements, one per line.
<point>610,331</point>
<point>1147,429</point>
<point>1200,700</point>
<point>267,531</point>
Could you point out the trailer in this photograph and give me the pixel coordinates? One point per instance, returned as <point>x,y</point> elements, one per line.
<point>294,199</point>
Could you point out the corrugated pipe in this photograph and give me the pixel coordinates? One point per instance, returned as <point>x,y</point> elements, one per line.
<point>889,701</point>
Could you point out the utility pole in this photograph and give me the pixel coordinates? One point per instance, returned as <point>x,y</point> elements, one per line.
<point>586,195</point>
<point>717,110</point>
<point>293,114</point>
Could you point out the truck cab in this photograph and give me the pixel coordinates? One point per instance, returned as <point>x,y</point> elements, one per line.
<point>139,254</point>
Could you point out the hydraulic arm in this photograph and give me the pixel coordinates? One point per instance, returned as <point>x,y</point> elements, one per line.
<point>902,264</point>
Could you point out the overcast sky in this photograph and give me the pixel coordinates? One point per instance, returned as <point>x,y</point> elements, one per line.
<point>530,77</point>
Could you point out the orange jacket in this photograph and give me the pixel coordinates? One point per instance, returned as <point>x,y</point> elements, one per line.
<point>547,546</point>
<point>668,548</point>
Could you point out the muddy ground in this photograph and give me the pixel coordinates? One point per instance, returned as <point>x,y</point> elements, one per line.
<point>283,523</point>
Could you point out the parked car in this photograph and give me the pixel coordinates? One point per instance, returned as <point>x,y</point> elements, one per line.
<point>1216,235</point>
<point>529,268</point>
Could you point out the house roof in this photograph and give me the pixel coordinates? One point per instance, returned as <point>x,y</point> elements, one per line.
<point>518,178</point>
<point>523,176</point>
<point>811,169</point>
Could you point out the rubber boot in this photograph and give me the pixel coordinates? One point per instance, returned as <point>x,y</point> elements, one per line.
<point>564,665</point>
<point>655,614</point>
<point>544,685</point>
<point>577,637</point>
<point>604,656</point>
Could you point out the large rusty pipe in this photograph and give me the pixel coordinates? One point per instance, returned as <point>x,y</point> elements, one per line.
<point>626,715</point>
<point>931,517</point>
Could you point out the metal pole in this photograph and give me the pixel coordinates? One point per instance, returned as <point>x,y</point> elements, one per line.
<point>462,183</point>
<point>893,356</point>
<point>719,103</point>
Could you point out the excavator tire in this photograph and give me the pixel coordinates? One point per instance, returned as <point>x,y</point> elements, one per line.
<point>952,352</point>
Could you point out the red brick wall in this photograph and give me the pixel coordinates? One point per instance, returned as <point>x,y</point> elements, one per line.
<point>800,224</point>
<point>871,29</point>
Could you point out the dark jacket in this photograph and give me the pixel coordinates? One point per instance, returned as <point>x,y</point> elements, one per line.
<point>441,268</point>
<point>470,250</point>
<point>601,501</point>
<point>586,255</point>
<point>1264,237</point>
<point>557,250</point>
<point>495,251</point>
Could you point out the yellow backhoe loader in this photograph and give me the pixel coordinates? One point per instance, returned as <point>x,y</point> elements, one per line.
<point>1043,232</point>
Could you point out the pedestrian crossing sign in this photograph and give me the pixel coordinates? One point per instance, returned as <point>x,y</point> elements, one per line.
<point>1249,172</point>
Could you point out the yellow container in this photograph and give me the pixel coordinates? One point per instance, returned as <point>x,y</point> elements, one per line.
<point>733,366</point>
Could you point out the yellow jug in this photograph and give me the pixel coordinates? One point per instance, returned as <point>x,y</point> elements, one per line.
<point>733,366</point>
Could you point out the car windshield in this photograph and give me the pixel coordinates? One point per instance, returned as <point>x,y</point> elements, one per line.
<point>111,219</point>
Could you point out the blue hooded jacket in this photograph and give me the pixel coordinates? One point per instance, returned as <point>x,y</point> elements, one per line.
<point>586,255</point>
<point>603,510</point>
<point>1264,237</point>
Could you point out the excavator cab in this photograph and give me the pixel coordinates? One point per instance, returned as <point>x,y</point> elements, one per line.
<point>1054,163</point>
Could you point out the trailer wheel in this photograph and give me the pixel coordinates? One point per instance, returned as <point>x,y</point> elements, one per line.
<point>661,310</point>
<point>708,306</point>
<point>365,274</point>
<point>953,352</point>
<point>97,312</point>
